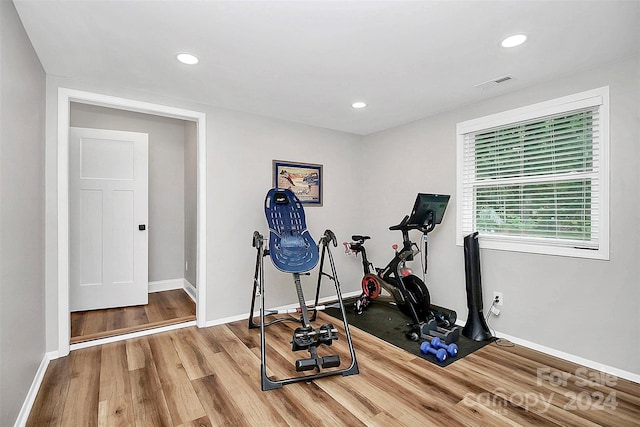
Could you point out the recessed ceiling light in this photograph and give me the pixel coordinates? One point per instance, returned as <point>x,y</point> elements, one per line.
<point>513,41</point>
<point>359,104</point>
<point>187,58</point>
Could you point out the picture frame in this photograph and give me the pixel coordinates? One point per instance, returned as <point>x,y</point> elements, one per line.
<point>304,179</point>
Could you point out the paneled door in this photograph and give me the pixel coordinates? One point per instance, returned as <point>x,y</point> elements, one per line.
<point>108,212</point>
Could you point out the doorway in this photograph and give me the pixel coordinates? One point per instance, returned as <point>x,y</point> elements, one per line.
<point>65,98</point>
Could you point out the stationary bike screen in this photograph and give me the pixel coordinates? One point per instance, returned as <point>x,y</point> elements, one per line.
<point>428,209</point>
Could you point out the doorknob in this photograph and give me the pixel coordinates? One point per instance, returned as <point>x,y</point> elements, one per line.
<point>142,227</point>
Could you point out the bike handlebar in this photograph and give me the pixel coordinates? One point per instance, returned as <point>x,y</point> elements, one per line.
<point>403,226</point>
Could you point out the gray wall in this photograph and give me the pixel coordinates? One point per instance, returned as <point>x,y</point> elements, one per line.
<point>567,304</point>
<point>166,180</point>
<point>22,302</point>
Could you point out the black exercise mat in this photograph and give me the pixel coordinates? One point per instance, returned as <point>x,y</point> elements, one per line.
<point>386,322</point>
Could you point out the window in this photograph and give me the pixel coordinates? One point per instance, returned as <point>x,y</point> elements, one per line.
<point>535,179</point>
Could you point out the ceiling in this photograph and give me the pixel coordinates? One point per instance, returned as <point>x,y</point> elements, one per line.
<point>308,61</point>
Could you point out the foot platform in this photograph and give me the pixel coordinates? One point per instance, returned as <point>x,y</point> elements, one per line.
<point>310,339</point>
<point>332,361</point>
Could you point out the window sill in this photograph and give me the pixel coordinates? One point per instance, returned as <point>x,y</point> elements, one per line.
<point>506,244</point>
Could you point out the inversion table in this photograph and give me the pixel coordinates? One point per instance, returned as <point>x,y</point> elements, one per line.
<point>293,250</point>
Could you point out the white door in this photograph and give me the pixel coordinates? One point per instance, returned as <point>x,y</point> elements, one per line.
<point>108,192</point>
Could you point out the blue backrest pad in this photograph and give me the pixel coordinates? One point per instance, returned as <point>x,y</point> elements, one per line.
<point>291,247</point>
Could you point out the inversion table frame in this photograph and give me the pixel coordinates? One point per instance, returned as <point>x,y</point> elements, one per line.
<point>305,337</point>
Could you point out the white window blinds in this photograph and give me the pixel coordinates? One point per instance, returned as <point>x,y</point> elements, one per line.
<point>535,182</point>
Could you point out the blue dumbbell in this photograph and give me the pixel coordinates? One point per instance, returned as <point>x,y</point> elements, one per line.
<point>452,349</point>
<point>427,348</point>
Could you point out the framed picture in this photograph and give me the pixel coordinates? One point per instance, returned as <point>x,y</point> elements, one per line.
<point>304,179</point>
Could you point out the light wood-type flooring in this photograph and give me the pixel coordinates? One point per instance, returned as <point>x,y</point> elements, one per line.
<point>164,308</point>
<point>211,376</point>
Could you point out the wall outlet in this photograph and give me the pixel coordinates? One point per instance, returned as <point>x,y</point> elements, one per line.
<point>497,298</point>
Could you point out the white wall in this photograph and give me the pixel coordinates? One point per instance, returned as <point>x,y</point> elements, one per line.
<point>240,149</point>
<point>22,96</point>
<point>571,305</point>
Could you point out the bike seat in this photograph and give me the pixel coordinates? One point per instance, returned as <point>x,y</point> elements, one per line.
<point>358,237</point>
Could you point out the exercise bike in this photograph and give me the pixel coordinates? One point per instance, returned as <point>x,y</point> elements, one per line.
<point>408,291</point>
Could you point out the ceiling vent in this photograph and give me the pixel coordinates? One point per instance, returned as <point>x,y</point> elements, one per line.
<point>495,82</point>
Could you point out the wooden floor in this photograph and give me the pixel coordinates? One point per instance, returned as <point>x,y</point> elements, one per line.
<point>211,376</point>
<point>164,308</point>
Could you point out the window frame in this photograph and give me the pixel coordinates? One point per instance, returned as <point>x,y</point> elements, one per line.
<point>592,98</point>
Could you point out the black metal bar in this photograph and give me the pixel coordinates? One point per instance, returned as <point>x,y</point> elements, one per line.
<point>258,243</point>
<point>353,368</point>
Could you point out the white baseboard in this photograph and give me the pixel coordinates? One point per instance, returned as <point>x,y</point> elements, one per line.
<point>225,320</point>
<point>189,289</point>
<point>351,294</point>
<point>166,285</point>
<point>29,400</point>
<point>230,319</point>
<point>620,373</point>
<point>172,284</point>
